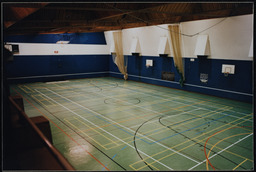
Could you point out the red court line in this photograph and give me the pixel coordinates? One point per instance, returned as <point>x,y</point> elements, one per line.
<point>213,135</point>
<point>62,130</point>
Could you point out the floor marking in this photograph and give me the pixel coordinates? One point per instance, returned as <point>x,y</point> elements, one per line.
<point>207,167</point>
<point>240,164</point>
<point>174,82</point>
<point>100,128</point>
<point>225,150</point>
<point>195,138</point>
<point>156,103</point>
<point>213,113</point>
<point>28,88</point>
<point>96,131</point>
<point>221,151</point>
<point>39,101</point>
<point>173,100</point>
<point>62,130</point>
<point>124,126</point>
<point>209,139</point>
<point>20,86</point>
<point>85,134</point>
<point>216,144</point>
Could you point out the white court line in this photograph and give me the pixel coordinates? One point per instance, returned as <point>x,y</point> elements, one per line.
<point>175,82</point>
<point>188,104</point>
<point>101,128</point>
<point>221,151</point>
<point>173,97</point>
<point>124,126</point>
<point>170,116</point>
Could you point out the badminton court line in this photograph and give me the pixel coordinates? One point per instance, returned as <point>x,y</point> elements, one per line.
<point>122,125</point>
<point>171,100</point>
<point>100,128</point>
<point>177,97</point>
<point>221,151</point>
<point>184,103</point>
<point>175,101</point>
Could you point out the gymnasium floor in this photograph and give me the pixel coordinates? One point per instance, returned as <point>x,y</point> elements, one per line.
<point>111,124</point>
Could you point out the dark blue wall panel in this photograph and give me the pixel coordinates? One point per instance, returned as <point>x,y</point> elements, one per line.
<point>237,86</point>
<point>36,68</point>
<point>74,38</point>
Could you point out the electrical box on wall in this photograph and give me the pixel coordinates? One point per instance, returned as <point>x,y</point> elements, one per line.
<point>202,46</point>
<point>229,69</point>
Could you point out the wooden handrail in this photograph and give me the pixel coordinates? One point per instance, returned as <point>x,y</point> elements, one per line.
<point>49,145</point>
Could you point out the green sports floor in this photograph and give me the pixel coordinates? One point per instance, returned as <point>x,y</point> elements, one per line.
<point>108,124</point>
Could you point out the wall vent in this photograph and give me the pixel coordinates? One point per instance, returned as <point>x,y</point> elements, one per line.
<point>169,76</point>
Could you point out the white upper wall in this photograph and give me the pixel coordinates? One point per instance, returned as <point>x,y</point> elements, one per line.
<point>229,39</point>
<point>60,49</point>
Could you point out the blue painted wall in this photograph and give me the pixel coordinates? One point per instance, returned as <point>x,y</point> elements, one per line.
<point>34,68</point>
<point>237,86</point>
<point>47,68</point>
<point>61,67</point>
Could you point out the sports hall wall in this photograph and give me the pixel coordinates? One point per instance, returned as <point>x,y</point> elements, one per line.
<point>230,40</point>
<point>88,55</point>
<point>41,58</point>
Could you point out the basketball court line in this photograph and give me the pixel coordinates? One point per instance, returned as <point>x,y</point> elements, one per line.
<point>121,125</point>
<point>207,157</point>
<point>181,102</point>
<point>180,92</point>
<point>194,138</point>
<point>221,151</point>
<point>62,130</point>
<point>104,130</point>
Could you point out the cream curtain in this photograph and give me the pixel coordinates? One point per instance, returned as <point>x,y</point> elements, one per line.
<point>176,49</point>
<point>119,58</point>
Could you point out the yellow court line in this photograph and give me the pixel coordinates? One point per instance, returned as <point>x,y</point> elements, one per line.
<point>95,130</point>
<point>143,167</point>
<point>85,134</point>
<point>168,154</point>
<point>211,113</point>
<point>29,88</point>
<point>130,119</point>
<point>193,139</point>
<point>44,99</point>
<point>190,140</point>
<point>207,166</point>
<point>226,151</point>
<point>240,164</point>
<point>175,146</point>
<point>166,129</point>
<point>39,101</point>
<point>20,86</point>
